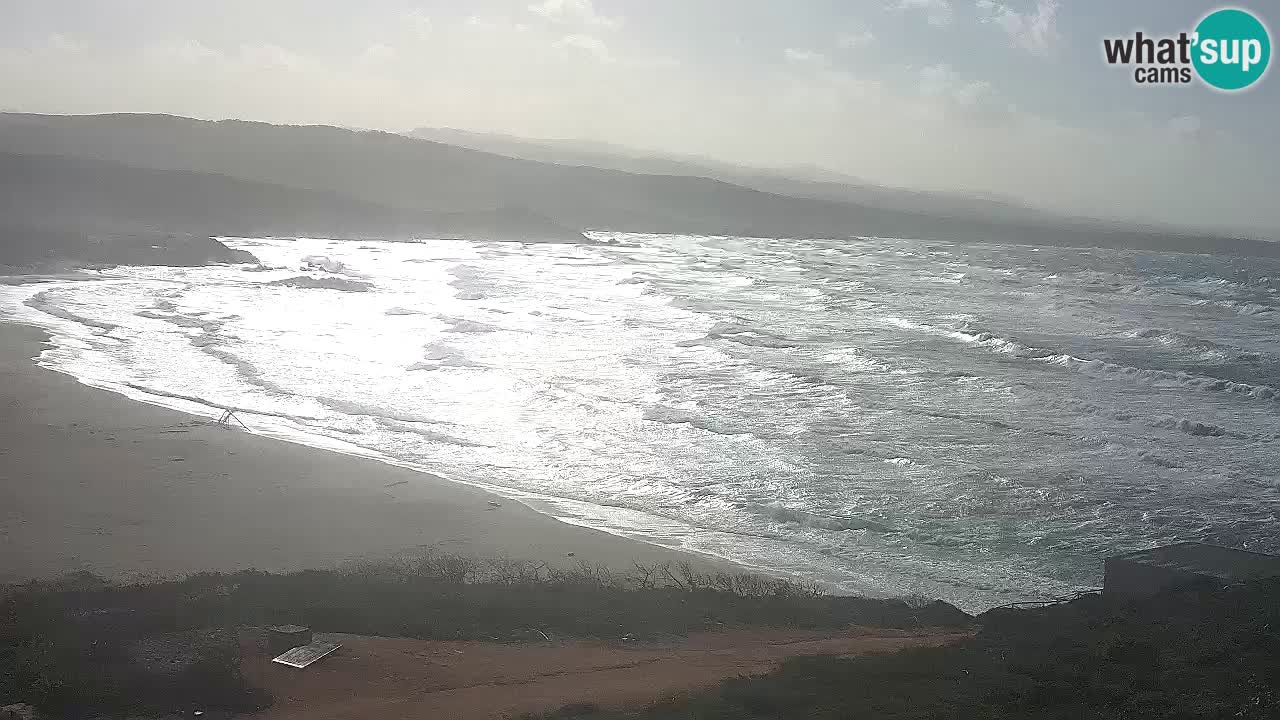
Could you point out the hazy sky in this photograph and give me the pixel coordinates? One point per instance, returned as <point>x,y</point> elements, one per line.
<point>994,96</point>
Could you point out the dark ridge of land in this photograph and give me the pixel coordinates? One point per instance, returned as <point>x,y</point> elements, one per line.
<point>1193,653</point>
<point>393,171</point>
<point>798,181</point>
<point>58,209</point>
<point>55,247</point>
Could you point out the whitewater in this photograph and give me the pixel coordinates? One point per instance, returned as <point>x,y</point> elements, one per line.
<point>982,424</point>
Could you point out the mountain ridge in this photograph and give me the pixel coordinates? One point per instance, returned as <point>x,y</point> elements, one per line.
<point>409,175</point>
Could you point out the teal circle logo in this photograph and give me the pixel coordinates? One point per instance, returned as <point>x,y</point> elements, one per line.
<point>1232,49</point>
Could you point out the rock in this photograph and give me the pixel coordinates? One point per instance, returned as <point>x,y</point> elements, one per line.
<point>18,711</point>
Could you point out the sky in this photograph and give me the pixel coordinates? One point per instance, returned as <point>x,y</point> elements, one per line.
<point>990,97</point>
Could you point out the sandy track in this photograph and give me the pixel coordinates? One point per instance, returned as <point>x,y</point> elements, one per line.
<point>387,678</point>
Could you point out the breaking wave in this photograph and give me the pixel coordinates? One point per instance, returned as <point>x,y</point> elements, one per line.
<point>325,283</point>
<point>884,415</point>
<point>676,416</point>
<point>464,325</point>
<point>777,512</point>
<point>1095,367</point>
<point>42,301</point>
<point>439,355</point>
<point>1192,427</point>
<point>742,335</point>
<point>1164,378</point>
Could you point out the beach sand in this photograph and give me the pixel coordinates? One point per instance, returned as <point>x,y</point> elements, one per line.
<point>91,480</point>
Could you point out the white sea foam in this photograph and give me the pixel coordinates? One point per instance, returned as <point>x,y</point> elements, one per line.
<point>982,439</point>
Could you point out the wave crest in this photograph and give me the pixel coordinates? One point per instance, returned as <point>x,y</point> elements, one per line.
<point>778,512</point>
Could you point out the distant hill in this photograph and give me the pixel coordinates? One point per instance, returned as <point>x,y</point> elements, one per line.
<point>79,209</point>
<point>384,182</point>
<point>797,181</point>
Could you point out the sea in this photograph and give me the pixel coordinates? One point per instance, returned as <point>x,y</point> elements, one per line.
<point>891,417</point>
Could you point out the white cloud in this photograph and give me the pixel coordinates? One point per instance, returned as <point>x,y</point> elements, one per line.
<point>418,21</point>
<point>857,37</point>
<point>62,42</point>
<point>1036,32</point>
<point>937,12</point>
<point>546,74</point>
<point>377,53</point>
<point>576,12</point>
<point>181,51</point>
<point>941,80</point>
<point>586,43</point>
<point>798,55</point>
<point>272,56</point>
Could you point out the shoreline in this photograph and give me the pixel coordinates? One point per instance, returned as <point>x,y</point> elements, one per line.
<point>96,481</point>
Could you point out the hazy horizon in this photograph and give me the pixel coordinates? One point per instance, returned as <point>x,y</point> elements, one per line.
<point>981,98</point>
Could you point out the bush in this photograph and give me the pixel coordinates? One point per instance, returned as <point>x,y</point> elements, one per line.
<point>84,645</point>
<point>1200,653</point>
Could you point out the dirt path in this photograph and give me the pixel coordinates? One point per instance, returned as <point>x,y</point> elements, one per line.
<point>388,678</point>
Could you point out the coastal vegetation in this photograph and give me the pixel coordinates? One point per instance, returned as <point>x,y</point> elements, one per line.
<point>1195,653</point>
<point>85,647</point>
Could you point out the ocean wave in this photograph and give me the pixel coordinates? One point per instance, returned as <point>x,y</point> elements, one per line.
<point>1097,368</point>
<point>212,345</point>
<point>440,355</point>
<point>998,343</point>
<point>463,325</point>
<point>466,276</point>
<point>1164,378</point>
<point>1192,427</point>
<point>1182,341</point>
<point>1104,368</point>
<point>431,436</point>
<point>40,301</point>
<point>742,335</point>
<point>1238,307</point>
<point>971,335</point>
<point>946,415</point>
<point>327,283</point>
<point>1153,458</point>
<point>215,404</point>
<point>183,321</point>
<point>778,512</point>
<point>676,416</point>
<point>376,412</point>
<point>322,262</point>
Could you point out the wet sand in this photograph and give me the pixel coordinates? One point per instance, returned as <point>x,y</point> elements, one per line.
<point>91,480</point>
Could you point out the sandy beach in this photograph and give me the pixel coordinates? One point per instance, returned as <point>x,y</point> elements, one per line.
<point>91,480</point>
